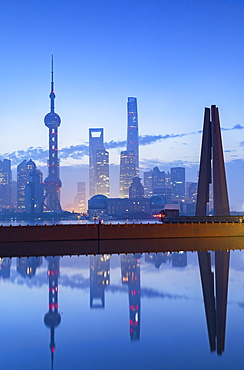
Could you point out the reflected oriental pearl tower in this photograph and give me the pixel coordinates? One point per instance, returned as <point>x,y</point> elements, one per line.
<point>52,183</point>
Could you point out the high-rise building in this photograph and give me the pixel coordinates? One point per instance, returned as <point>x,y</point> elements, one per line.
<point>98,163</point>
<point>147,179</point>
<point>178,183</point>
<point>34,193</point>
<point>23,171</point>
<point>102,172</point>
<point>127,172</point>
<point>136,189</point>
<point>14,194</point>
<point>164,192</point>
<point>158,178</point>
<point>132,130</point>
<point>52,183</point>
<point>157,182</point>
<point>5,184</point>
<point>80,198</point>
<point>191,191</point>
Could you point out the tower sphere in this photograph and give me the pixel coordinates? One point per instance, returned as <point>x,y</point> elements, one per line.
<point>52,319</point>
<point>52,183</point>
<point>52,120</point>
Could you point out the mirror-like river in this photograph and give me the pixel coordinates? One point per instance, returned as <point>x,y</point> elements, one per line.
<point>149,311</point>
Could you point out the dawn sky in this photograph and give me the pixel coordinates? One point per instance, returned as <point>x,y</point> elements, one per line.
<point>175,56</point>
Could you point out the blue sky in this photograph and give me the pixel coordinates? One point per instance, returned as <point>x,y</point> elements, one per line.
<point>175,56</point>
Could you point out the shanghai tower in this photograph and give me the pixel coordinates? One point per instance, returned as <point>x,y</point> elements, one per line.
<point>132,130</point>
<point>52,183</point>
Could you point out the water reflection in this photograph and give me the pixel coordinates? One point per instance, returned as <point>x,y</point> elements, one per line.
<point>93,276</point>
<point>130,274</point>
<point>177,259</point>
<point>99,279</point>
<point>26,267</point>
<point>5,264</point>
<point>215,300</point>
<point>52,318</point>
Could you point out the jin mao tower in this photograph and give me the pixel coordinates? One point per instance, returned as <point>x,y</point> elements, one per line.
<point>52,182</point>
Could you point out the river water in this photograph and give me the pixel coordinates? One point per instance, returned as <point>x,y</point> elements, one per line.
<point>143,311</point>
<point>120,312</point>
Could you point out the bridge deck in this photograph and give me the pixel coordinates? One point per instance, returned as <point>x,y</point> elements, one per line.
<point>120,238</point>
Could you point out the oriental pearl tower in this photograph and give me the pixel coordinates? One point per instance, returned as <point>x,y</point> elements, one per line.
<point>52,183</point>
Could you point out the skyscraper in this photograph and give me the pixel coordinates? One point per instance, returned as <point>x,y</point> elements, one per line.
<point>178,183</point>
<point>148,187</point>
<point>132,130</point>
<point>136,189</point>
<point>191,190</point>
<point>157,182</point>
<point>129,159</point>
<point>5,184</point>
<point>34,192</point>
<point>127,172</point>
<point>23,171</point>
<point>102,172</point>
<point>52,182</point>
<point>80,198</point>
<point>98,163</point>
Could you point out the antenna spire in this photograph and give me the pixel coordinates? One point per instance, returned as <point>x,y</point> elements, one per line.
<point>52,83</point>
<point>52,94</point>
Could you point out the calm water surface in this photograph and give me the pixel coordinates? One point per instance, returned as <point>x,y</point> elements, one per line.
<point>118,312</point>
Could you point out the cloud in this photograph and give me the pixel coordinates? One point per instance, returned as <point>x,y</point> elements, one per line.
<point>74,151</point>
<point>150,139</point>
<point>81,283</point>
<point>236,127</point>
<point>77,152</point>
<point>115,144</point>
<point>36,154</point>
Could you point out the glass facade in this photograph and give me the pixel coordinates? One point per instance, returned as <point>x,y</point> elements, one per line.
<point>127,172</point>
<point>98,163</point>
<point>178,183</point>
<point>132,131</point>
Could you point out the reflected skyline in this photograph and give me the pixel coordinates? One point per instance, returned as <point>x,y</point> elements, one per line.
<point>130,276</point>
<point>5,264</point>
<point>52,318</point>
<point>99,280</point>
<point>107,281</point>
<point>26,267</point>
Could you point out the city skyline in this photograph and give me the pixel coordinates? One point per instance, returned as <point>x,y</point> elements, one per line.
<point>183,58</point>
